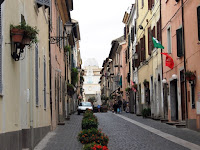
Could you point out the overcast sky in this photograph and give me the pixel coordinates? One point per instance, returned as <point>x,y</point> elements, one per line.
<point>100,22</point>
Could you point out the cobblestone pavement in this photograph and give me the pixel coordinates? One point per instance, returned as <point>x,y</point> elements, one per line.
<point>124,135</point>
<point>64,137</point>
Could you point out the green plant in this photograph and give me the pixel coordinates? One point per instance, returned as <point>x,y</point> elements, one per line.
<point>81,79</point>
<point>95,146</point>
<point>67,48</point>
<point>189,75</point>
<point>128,89</point>
<point>146,112</point>
<point>29,31</point>
<point>93,135</point>
<point>74,76</point>
<point>90,122</point>
<point>70,89</point>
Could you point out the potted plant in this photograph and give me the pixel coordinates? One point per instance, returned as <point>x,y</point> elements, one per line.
<point>135,86</point>
<point>189,75</point>
<point>70,89</point>
<point>24,33</point>
<point>67,48</point>
<point>17,33</point>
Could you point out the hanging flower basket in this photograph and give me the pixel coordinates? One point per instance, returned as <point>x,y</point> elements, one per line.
<point>190,76</point>
<point>146,83</point>
<point>17,35</point>
<point>26,41</point>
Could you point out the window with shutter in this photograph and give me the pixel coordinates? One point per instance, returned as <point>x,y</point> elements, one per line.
<point>132,33</point>
<point>144,49</point>
<point>149,41</point>
<point>158,31</point>
<point>138,53</point>
<point>198,17</point>
<point>44,83</point>
<point>1,84</point>
<point>36,75</point>
<point>169,40</point>
<point>179,42</point>
<point>125,32</point>
<point>149,4</point>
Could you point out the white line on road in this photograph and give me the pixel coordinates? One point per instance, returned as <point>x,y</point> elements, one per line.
<point>167,136</point>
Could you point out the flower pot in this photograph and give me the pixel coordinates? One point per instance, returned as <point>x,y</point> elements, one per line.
<point>187,78</point>
<point>192,77</point>
<point>17,35</point>
<point>26,41</point>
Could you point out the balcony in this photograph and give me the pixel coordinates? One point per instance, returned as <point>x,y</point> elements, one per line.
<point>41,3</point>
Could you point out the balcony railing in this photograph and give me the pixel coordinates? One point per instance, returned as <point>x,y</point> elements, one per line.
<point>45,3</point>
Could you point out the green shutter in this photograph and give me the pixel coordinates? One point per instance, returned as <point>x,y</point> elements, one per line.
<point>1,86</point>
<point>179,42</point>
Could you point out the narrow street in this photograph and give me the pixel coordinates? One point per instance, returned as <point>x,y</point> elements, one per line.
<point>126,132</point>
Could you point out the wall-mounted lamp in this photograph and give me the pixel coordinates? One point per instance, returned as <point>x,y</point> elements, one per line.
<point>164,81</point>
<point>135,56</point>
<point>141,27</point>
<point>68,28</point>
<point>174,76</point>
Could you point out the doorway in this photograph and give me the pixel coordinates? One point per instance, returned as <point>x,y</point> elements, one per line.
<point>174,100</point>
<point>183,108</point>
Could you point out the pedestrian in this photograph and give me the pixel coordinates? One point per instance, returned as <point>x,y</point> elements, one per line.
<point>115,106</point>
<point>99,108</point>
<point>127,108</point>
<point>120,105</point>
<point>124,105</point>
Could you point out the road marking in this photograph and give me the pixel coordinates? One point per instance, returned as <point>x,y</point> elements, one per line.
<point>167,136</point>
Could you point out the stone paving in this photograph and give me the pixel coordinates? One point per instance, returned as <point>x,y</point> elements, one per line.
<point>64,137</point>
<point>123,135</point>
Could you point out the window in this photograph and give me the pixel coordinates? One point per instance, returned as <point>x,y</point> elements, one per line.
<point>150,42</point>
<point>179,42</point>
<point>142,3</point>
<point>169,40</point>
<point>150,4</point>
<point>198,17</point>
<point>193,95</point>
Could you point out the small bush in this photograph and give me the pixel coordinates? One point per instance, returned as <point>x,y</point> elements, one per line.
<point>88,123</point>
<point>146,112</point>
<point>93,135</point>
<point>92,146</point>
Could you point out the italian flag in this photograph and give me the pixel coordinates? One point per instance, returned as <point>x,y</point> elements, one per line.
<point>156,43</point>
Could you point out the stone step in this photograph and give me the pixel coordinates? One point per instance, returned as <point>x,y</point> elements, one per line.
<point>181,125</point>
<point>61,123</point>
<point>164,120</point>
<point>172,123</point>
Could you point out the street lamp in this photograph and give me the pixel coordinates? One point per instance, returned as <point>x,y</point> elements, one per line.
<point>68,29</point>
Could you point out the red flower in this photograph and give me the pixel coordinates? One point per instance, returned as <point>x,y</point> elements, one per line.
<point>99,146</point>
<point>105,148</point>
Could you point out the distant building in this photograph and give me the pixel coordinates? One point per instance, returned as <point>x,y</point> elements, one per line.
<point>91,79</point>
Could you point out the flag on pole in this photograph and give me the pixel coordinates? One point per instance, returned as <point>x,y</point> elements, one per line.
<point>156,43</point>
<point>169,61</point>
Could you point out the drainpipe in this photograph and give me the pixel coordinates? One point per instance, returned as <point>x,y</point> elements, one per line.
<point>162,62</point>
<point>183,39</point>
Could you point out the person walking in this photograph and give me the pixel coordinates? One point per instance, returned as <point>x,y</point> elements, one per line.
<point>124,105</point>
<point>115,106</point>
<point>99,108</point>
<point>120,105</point>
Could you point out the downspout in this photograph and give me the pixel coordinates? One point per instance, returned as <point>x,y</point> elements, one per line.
<point>162,61</point>
<point>183,39</point>
<point>50,64</point>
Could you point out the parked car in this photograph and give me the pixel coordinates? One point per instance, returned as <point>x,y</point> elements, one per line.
<point>83,106</point>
